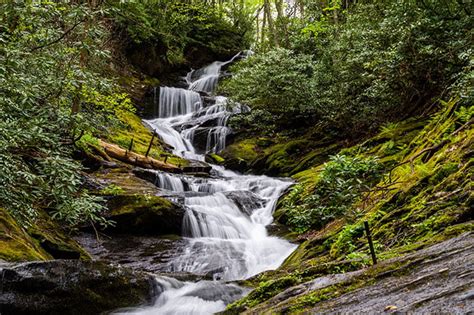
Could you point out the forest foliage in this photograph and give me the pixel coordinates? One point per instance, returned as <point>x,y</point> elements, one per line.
<point>57,87</point>
<point>344,66</point>
<point>352,67</point>
<point>178,26</point>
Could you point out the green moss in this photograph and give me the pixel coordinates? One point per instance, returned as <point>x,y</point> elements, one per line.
<point>215,158</point>
<point>125,204</point>
<point>141,135</point>
<point>111,190</point>
<point>43,240</point>
<point>291,157</point>
<point>54,240</point>
<point>264,291</point>
<point>15,243</point>
<point>311,299</point>
<point>280,156</point>
<point>245,151</point>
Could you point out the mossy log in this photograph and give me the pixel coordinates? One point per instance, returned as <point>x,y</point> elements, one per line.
<point>132,158</point>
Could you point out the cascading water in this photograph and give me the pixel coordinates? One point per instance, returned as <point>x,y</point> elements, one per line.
<point>226,215</point>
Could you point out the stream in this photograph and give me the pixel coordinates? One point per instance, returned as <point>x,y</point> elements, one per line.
<point>226,213</point>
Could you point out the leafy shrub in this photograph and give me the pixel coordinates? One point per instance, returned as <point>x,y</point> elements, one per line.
<point>277,83</point>
<point>178,25</point>
<point>384,61</point>
<point>341,182</point>
<point>44,72</point>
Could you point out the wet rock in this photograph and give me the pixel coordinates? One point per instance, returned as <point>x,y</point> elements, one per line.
<point>436,279</point>
<point>208,100</point>
<point>71,287</point>
<point>200,139</point>
<point>212,291</point>
<point>245,200</point>
<point>197,167</point>
<point>145,214</point>
<point>139,252</point>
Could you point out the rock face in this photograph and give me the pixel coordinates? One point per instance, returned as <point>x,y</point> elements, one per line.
<point>145,214</point>
<point>435,280</point>
<point>43,240</point>
<point>247,201</point>
<point>15,243</point>
<point>71,287</point>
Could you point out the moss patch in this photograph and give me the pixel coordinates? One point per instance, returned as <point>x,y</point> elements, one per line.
<point>15,243</point>
<point>54,240</point>
<point>141,135</point>
<point>145,214</point>
<point>425,197</point>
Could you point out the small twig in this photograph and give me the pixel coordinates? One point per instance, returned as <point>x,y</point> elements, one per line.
<point>95,230</point>
<point>444,197</point>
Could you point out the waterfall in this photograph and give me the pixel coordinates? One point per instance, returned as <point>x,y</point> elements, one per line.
<point>206,79</point>
<point>175,102</point>
<point>226,214</point>
<point>170,182</point>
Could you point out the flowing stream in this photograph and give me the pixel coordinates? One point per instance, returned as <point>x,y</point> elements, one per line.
<point>226,214</point>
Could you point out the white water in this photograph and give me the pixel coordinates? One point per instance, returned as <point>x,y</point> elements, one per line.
<point>225,240</point>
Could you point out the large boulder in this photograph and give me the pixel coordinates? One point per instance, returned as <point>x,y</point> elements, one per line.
<point>15,243</point>
<point>71,287</point>
<point>145,214</point>
<point>43,240</point>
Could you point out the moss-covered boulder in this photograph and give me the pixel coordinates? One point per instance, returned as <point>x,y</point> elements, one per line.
<point>240,155</point>
<point>71,287</point>
<point>43,240</point>
<point>15,243</point>
<point>54,240</point>
<point>145,214</point>
<point>280,156</point>
<point>214,158</point>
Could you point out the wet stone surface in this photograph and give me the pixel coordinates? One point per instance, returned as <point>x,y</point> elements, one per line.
<point>146,253</point>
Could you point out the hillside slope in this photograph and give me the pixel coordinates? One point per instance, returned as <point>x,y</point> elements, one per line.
<point>424,197</point>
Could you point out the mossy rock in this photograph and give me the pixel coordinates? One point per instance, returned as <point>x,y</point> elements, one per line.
<point>145,214</point>
<point>215,158</point>
<point>15,243</point>
<point>280,157</point>
<point>239,156</point>
<point>54,240</point>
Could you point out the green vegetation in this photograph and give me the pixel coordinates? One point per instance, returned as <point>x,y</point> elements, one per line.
<point>182,32</point>
<point>341,181</point>
<point>43,108</point>
<point>420,194</point>
<point>357,66</point>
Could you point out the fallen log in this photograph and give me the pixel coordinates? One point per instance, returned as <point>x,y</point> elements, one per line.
<point>133,158</point>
